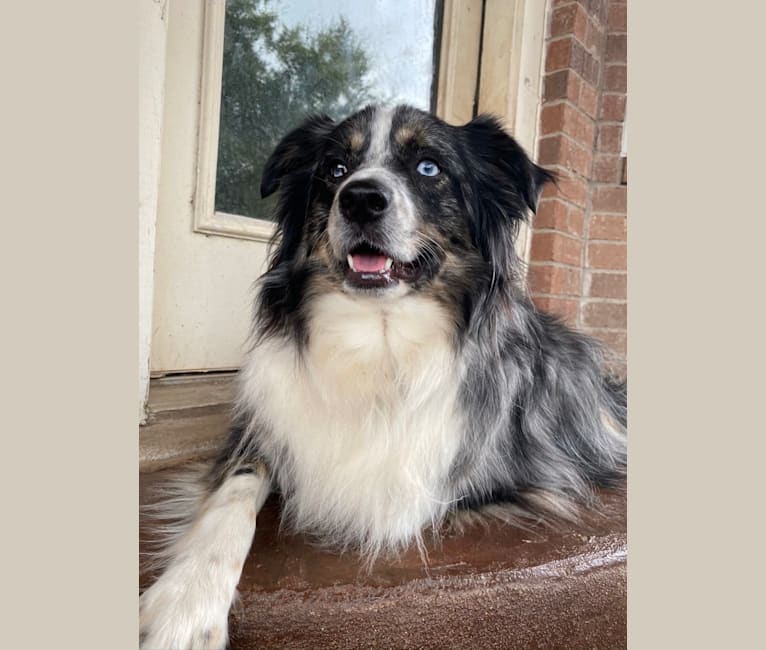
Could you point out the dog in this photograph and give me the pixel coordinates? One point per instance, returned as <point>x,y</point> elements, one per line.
<point>398,373</point>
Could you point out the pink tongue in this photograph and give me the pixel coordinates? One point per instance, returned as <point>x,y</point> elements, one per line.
<point>369,263</point>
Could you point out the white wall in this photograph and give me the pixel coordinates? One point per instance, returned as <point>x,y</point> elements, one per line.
<point>152,38</point>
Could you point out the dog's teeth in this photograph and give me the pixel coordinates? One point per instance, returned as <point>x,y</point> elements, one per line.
<point>351,262</point>
<point>389,262</point>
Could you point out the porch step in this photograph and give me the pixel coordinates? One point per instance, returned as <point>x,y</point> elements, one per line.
<point>494,587</point>
<point>187,418</point>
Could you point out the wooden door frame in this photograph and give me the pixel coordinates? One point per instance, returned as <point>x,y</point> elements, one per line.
<point>510,83</point>
<point>492,60</point>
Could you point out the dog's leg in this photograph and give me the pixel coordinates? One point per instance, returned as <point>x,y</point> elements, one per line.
<point>188,607</point>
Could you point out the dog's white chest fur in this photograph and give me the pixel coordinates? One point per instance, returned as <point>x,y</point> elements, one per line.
<point>364,424</point>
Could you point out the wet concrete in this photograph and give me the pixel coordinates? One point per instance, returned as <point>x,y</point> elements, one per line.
<point>489,587</point>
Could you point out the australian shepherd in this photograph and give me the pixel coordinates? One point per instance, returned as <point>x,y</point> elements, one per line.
<point>398,372</point>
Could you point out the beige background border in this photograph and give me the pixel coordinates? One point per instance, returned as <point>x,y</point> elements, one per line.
<point>696,239</point>
<point>70,336</point>
<point>69,267</point>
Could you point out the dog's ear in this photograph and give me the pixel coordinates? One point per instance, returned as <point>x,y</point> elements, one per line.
<point>296,153</point>
<point>506,184</point>
<point>503,162</point>
<point>290,169</point>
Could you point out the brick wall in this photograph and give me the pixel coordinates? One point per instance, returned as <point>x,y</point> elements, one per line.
<point>579,252</point>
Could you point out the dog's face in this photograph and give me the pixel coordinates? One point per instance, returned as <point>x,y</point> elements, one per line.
<point>393,200</point>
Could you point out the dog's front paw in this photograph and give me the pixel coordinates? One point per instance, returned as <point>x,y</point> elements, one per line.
<point>174,617</point>
<point>174,637</point>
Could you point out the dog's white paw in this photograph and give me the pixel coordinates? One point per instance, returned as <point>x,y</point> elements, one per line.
<point>184,639</point>
<point>174,617</point>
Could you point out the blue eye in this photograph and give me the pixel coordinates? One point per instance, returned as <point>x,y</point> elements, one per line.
<point>428,168</point>
<point>338,170</point>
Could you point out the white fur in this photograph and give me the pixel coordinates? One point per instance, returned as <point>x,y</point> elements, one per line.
<point>187,608</point>
<point>368,417</point>
<point>380,136</point>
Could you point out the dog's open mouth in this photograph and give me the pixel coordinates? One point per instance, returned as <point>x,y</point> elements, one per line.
<point>370,267</point>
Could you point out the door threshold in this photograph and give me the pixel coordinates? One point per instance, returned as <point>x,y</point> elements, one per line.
<point>188,417</point>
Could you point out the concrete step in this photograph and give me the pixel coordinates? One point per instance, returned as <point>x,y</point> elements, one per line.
<point>489,587</point>
<point>188,417</point>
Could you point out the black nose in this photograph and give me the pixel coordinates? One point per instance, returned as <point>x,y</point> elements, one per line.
<point>362,201</point>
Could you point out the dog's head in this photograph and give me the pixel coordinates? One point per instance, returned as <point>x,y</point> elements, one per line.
<point>393,200</point>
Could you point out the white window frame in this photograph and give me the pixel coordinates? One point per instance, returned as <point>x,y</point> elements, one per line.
<point>207,220</point>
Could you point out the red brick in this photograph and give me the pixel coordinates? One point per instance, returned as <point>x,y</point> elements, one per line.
<point>616,340</point>
<point>618,17</point>
<point>608,226</point>
<point>608,285</point>
<point>588,100</point>
<point>555,86</point>
<point>607,169</point>
<point>549,150</point>
<point>559,55</point>
<point>579,126</point>
<point>555,247</point>
<point>624,180</point>
<point>611,256</point>
<point>566,308</point>
<point>616,48</point>
<point>551,214</point>
<point>556,280</point>
<point>569,188</point>
<point>561,150</point>
<point>591,69</point>
<point>610,199</point>
<point>567,119</point>
<point>612,108</point>
<point>552,118</point>
<point>598,9</point>
<point>613,315</point>
<point>562,20</point>
<point>569,19</point>
<point>575,220</point>
<point>609,138</point>
<point>578,57</point>
<point>616,78</point>
<point>585,63</point>
<point>564,84</point>
<point>580,24</point>
<point>580,158</point>
<point>594,35</point>
<point>568,52</point>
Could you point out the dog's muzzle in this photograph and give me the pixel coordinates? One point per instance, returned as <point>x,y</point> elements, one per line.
<point>374,235</point>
